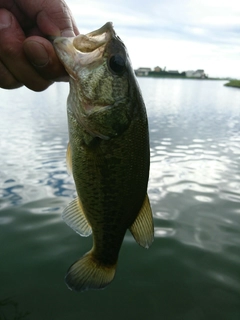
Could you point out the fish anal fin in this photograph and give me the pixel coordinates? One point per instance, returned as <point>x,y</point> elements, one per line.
<point>69,158</point>
<point>88,273</point>
<point>74,216</point>
<point>142,228</point>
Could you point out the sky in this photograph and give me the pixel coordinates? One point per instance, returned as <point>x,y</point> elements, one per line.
<point>177,34</point>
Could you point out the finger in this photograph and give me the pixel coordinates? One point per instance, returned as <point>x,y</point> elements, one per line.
<point>7,81</point>
<point>11,6</point>
<point>41,54</point>
<point>53,17</point>
<point>12,55</point>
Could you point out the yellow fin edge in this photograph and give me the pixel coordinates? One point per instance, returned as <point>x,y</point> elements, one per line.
<point>87,273</point>
<point>75,218</point>
<point>143,229</point>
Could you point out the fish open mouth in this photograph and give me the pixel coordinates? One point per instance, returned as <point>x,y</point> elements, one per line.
<point>83,49</point>
<point>95,39</point>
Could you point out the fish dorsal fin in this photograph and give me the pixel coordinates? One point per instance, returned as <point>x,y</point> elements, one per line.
<point>74,216</point>
<point>69,158</point>
<point>142,228</point>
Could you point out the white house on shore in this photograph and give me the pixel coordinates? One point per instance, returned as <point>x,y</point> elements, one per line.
<point>141,72</point>
<point>196,74</point>
<point>144,72</point>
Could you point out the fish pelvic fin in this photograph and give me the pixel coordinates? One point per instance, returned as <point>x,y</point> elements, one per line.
<point>88,273</point>
<point>69,158</point>
<point>142,228</point>
<point>75,218</point>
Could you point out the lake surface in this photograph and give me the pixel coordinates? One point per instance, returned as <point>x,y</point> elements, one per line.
<point>192,270</point>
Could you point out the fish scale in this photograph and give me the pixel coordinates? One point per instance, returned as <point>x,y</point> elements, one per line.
<point>108,152</point>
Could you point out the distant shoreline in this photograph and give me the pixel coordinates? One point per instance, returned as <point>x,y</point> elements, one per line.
<point>198,74</point>
<point>233,83</point>
<point>181,77</point>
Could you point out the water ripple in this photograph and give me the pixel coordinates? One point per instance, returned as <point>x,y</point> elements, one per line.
<point>194,189</point>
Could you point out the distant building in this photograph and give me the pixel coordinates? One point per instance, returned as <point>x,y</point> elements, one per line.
<point>196,74</point>
<point>189,73</point>
<point>157,69</point>
<point>142,72</point>
<point>159,72</point>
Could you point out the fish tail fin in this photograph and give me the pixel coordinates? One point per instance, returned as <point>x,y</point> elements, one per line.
<point>88,273</point>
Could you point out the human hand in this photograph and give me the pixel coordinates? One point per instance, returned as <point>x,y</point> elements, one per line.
<point>26,56</point>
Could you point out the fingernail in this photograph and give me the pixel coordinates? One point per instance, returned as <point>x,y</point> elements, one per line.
<point>36,53</point>
<point>5,19</point>
<point>67,33</point>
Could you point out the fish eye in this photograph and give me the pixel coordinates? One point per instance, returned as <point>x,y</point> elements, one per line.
<point>117,64</point>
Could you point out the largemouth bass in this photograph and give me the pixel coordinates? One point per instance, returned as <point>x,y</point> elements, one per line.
<point>108,153</point>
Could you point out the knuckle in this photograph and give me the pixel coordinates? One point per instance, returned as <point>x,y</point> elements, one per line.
<point>31,80</point>
<point>8,50</point>
<point>7,80</point>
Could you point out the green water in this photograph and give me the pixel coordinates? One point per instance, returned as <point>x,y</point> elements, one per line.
<point>192,270</point>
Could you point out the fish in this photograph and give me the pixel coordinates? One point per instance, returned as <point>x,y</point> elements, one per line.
<point>108,153</point>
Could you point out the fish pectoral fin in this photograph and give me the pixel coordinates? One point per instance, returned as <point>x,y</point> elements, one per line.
<point>75,218</point>
<point>142,228</point>
<point>69,158</point>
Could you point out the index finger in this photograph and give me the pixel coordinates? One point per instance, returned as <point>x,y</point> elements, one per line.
<point>52,17</point>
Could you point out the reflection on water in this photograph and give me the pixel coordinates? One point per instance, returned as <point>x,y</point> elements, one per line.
<point>9,309</point>
<point>195,160</point>
<point>33,146</point>
<point>192,269</point>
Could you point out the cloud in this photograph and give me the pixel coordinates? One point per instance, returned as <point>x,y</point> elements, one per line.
<point>180,34</point>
